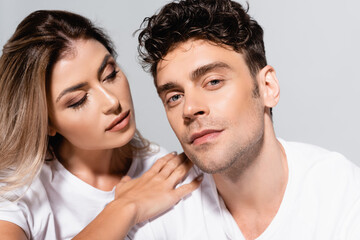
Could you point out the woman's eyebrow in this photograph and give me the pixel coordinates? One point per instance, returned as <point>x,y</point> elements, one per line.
<point>81,85</point>
<point>103,64</point>
<point>71,89</point>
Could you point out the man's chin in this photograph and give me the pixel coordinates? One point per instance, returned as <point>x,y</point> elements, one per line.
<point>208,166</point>
<point>207,158</point>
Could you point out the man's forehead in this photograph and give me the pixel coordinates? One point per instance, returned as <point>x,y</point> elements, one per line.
<point>181,47</point>
<point>179,54</point>
<point>190,44</point>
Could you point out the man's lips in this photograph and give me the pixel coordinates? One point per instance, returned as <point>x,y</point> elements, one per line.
<point>119,122</point>
<point>203,136</point>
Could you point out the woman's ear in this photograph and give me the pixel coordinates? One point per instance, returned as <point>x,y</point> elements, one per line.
<point>270,84</point>
<point>51,131</point>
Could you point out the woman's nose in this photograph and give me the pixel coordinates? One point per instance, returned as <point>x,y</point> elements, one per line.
<point>110,103</point>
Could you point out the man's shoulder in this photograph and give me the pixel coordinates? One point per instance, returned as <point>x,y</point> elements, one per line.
<point>323,169</point>
<point>143,162</point>
<point>313,156</point>
<point>322,183</point>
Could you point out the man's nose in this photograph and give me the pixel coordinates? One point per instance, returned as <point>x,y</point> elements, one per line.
<point>194,106</point>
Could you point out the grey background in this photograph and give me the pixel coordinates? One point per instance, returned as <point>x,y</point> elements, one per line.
<point>313,45</point>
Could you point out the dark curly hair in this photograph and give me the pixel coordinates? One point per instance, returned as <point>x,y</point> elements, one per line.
<point>222,22</point>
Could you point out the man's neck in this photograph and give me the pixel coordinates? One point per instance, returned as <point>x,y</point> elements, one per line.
<point>254,197</point>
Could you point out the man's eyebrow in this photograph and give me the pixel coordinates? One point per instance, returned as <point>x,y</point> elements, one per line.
<point>194,75</point>
<point>103,64</point>
<point>71,89</point>
<point>207,68</point>
<point>166,87</point>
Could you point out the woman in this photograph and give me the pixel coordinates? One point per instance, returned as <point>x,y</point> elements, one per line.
<point>64,100</point>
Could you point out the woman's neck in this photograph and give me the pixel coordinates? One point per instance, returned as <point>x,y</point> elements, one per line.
<point>102,169</point>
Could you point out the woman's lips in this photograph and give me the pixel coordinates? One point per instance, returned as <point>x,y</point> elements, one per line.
<point>119,122</point>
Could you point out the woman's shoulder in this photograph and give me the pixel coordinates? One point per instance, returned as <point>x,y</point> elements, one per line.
<point>26,205</point>
<point>35,186</point>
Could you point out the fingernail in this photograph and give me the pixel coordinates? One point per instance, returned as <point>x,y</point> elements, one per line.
<point>174,153</point>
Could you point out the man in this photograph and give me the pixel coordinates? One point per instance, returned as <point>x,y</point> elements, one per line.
<point>209,67</point>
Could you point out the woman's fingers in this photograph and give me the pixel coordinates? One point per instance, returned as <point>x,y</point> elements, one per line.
<point>166,165</point>
<point>155,191</point>
<point>185,189</point>
<point>180,172</point>
<point>172,164</point>
<point>161,162</point>
<point>124,179</point>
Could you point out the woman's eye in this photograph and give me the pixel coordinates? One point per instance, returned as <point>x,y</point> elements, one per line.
<point>79,103</point>
<point>111,76</point>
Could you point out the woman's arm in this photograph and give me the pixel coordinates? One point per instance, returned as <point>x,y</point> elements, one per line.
<point>11,231</point>
<point>140,199</point>
<point>113,222</point>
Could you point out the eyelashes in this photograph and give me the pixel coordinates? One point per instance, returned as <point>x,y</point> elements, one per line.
<point>172,100</point>
<point>79,103</point>
<point>76,103</point>
<point>82,101</point>
<point>111,76</point>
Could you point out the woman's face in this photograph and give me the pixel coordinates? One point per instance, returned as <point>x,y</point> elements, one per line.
<point>90,100</point>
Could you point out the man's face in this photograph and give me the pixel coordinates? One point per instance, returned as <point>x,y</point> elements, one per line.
<point>212,104</point>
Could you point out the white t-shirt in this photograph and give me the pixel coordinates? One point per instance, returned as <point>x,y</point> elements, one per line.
<point>58,205</point>
<point>321,201</point>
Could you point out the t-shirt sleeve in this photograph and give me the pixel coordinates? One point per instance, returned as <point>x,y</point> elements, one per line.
<point>12,212</point>
<point>351,227</point>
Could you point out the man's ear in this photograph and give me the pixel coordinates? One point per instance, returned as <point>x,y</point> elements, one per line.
<point>270,85</point>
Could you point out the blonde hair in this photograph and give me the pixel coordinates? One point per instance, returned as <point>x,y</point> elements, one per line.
<point>39,41</point>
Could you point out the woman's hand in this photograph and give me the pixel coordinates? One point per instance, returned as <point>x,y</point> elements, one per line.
<point>137,200</point>
<point>154,192</point>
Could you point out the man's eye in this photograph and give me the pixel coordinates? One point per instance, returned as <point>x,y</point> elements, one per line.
<point>174,98</point>
<point>214,82</point>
